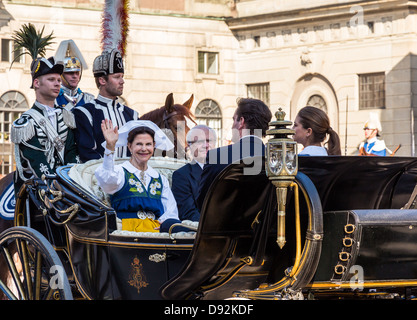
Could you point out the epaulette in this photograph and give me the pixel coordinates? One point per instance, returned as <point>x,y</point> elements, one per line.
<point>68,118</point>
<point>88,97</point>
<point>22,129</point>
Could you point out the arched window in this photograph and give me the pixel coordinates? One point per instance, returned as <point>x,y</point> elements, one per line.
<point>12,105</point>
<point>318,102</point>
<point>208,112</point>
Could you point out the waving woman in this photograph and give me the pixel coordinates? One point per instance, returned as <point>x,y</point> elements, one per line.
<point>140,195</point>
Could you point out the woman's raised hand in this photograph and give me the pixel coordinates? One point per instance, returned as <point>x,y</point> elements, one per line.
<point>110,133</point>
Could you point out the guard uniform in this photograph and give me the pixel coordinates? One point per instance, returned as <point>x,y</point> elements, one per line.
<point>88,118</point>
<point>374,146</point>
<point>43,135</point>
<point>41,145</point>
<point>69,99</point>
<point>89,135</point>
<point>73,62</point>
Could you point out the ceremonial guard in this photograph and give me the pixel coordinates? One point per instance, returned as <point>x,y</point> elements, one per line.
<point>70,94</point>
<point>43,135</point>
<point>108,70</point>
<point>373,146</point>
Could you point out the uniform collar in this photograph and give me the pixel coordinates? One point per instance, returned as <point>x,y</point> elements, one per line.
<point>69,92</point>
<point>106,101</point>
<point>46,109</point>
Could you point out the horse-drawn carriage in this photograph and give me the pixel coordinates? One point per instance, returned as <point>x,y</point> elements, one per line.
<point>350,229</point>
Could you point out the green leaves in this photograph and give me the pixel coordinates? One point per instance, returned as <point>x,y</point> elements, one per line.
<point>32,40</point>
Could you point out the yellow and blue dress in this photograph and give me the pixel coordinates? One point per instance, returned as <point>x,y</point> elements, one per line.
<point>143,200</point>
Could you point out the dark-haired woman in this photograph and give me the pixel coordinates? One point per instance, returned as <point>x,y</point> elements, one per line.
<point>140,195</point>
<point>312,127</point>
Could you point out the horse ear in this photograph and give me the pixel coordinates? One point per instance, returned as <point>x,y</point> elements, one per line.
<point>169,102</point>
<point>189,102</point>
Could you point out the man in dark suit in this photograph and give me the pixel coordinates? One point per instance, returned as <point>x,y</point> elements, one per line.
<point>250,122</point>
<point>185,181</point>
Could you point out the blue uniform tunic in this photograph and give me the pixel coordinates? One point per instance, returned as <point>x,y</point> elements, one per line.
<point>371,148</point>
<point>88,118</point>
<point>69,101</point>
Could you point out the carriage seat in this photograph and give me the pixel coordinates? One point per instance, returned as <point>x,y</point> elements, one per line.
<point>83,174</point>
<point>158,235</point>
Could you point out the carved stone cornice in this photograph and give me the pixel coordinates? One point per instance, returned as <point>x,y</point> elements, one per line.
<point>335,11</point>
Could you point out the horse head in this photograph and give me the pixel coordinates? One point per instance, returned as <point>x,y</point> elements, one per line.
<point>173,118</point>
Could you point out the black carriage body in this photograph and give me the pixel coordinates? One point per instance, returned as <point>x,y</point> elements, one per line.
<point>109,266</point>
<point>350,216</point>
<point>128,269</point>
<point>369,238</point>
<point>355,233</point>
<point>101,265</point>
<point>373,246</point>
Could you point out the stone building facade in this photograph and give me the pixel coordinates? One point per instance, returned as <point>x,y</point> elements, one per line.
<point>354,59</point>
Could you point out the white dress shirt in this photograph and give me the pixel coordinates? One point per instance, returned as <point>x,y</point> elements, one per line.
<point>111,179</point>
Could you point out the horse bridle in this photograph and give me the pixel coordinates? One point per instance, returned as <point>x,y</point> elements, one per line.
<point>167,116</point>
<point>165,119</point>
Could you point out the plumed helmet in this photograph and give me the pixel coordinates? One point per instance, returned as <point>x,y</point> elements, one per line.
<point>371,125</point>
<point>108,62</point>
<point>72,64</point>
<point>71,56</point>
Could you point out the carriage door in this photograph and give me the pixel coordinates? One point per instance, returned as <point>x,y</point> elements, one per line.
<point>138,269</point>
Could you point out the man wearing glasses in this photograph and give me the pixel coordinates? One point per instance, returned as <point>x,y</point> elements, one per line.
<point>185,181</point>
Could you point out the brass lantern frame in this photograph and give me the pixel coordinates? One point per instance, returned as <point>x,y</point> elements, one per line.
<point>283,177</point>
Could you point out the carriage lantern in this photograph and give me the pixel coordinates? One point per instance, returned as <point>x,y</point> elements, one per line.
<point>281,165</point>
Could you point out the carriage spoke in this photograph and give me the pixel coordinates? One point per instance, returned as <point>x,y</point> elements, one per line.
<point>11,263</point>
<point>25,259</point>
<point>24,255</point>
<point>50,294</point>
<point>38,274</point>
<point>7,291</point>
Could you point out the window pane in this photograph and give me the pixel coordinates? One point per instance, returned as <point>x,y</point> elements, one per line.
<point>212,63</point>
<point>17,53</point>
<point>208,112</point>
<point>208,62</point>
<point>258,91</point>
<point>5,50</point>
<point>201,62</point>
<point>372,90</point>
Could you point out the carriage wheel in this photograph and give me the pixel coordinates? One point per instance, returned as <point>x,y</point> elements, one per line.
<point>30,269</point>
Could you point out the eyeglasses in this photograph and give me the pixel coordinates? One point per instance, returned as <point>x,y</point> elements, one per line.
<point>368,129</point>
<point>202,141</point>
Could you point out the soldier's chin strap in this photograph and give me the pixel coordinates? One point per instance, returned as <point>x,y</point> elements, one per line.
<point>65,83</point>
